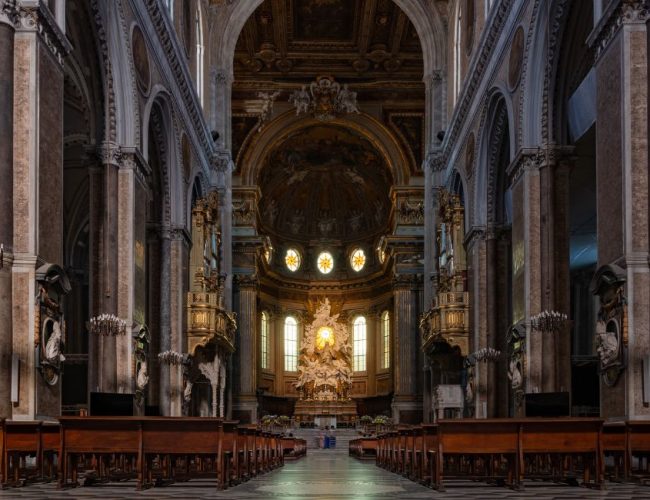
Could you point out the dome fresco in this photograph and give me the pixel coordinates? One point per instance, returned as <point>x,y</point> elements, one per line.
<point>325,182</point>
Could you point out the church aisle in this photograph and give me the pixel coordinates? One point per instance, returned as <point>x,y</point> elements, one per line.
<point>329,474</point>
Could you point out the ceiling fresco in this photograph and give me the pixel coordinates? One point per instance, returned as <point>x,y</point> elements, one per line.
<point>325,182</point>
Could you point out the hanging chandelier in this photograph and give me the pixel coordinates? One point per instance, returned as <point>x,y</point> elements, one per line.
<point>325,99</point>
<point>548,321</point>
<point>107,325</point>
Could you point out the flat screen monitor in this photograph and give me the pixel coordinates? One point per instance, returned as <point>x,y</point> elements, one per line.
<point>110,404</point>
<point>548,404</point>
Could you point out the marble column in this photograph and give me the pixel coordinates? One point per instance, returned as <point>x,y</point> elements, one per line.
<point>526,260</point>
<point>164,334</point>
<point>37,186</point>
<point>245,405</point>
<point>179,285</point>
<point>6,198</point>
<point>406,405</point>
<point>103,185</point>
<point>621,44</point>
<point>477,242</point>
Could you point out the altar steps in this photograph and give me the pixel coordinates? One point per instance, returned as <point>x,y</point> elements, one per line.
<point>343,438</point>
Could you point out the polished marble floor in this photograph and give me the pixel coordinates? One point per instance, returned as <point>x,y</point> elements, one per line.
<point>329,474</point>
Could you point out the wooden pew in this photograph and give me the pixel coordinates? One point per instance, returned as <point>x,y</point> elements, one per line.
<point>226,461</point>
<point>172,439</point>
<point>429,448</point>
<point>637,445</point>
<point>477,439</point>
<point>108,440</point>
<point>567,439</point>
<point>364,448</point>
<point>615,447</point>
<point>22,439</point>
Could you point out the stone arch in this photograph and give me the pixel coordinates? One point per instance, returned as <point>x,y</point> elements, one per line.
<point>158,120</point>
<point>125,110</point>
<point>428,23</point>
<point>383,139</point>
<point>495,129</point>
<point>425,18</point>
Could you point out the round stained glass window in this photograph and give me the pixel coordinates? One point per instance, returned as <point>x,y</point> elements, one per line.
<point>358,259</point>
<point>325,262</point>
<point>292,259</point>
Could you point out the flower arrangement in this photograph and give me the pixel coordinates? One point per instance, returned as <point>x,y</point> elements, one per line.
<point>548,321</point>
<point>107,324</point>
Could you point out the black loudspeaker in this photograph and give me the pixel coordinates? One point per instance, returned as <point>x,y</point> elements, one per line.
<point>548,404</point>
<point>110,404</point>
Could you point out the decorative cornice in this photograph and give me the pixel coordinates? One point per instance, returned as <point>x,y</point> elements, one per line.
<point>221,162</point>
<point>408,280</point>
<point>247,281</point>
<point>526,160</point>
<point>476,233</point>
<point>177,62</point>
<point>618,13</point>
<point>37,18</point>
<point>435,161</point>
<point>108,153</point>
<point>476,73</point>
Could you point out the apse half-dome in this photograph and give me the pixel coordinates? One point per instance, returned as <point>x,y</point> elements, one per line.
<point>324,182</point>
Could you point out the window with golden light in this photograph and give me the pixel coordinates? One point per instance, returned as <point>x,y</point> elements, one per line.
<point>292,259</point>
<point>358,259</point>
<point>325,262</point>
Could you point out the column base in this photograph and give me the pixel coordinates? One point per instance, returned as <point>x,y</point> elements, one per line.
<point>244,409</point>
<point>407,409</point>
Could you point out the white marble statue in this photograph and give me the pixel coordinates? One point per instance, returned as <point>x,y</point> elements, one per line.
<point>53,347</point>
<point>347,100</point>
<point>514,374</point>
<point>606,345</point>
<point>142,379</point>
<point>300,100</point>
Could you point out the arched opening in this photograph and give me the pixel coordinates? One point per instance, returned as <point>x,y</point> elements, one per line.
<point>83,120</point>
<point>152,266</point>
<point>329,135</point>
<point>505,279</point>
<point>575,186</point>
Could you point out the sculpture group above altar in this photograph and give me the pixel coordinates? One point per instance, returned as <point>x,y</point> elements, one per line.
<point>324,368</point>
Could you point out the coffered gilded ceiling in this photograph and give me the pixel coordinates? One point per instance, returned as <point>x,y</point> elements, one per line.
<point>362,40</point>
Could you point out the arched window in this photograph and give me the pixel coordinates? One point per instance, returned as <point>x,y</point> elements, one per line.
<point>199,55</point>
<point>385,339</point>
<point>169,4</point>
<point>200,77</point>
<point>359,345</point>
<point>264,342</point>
<point>290,344</point>
<point>457,52</point>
